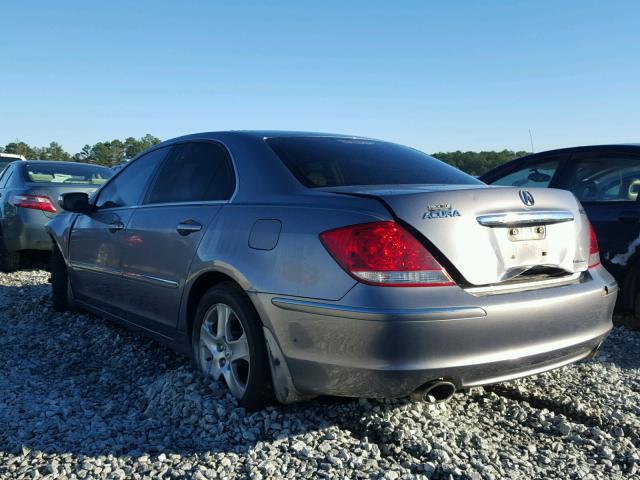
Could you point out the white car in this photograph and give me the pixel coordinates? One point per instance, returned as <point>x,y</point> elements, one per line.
<point>7,158</point>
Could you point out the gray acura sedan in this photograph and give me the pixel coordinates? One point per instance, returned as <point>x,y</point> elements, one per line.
<point>291,265</point>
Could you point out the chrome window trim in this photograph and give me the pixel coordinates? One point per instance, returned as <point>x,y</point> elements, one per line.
<point>529,218</point>
<point>182,204</point>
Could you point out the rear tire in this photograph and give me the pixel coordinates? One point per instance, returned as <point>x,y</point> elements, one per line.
<point>227,343</point>
<point>61,292</point>
<point>9,261</point>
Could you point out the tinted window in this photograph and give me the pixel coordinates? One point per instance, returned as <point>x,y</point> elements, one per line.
<point>334,162</point>
<point>71,173</point>
<point>128,186</point>
<point>194,172</point>
<point>538,175</point>
<point>606,178</point>
<point>4,177</point>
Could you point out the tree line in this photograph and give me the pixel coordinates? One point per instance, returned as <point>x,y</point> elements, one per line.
<point>477,163</point>
<point>115,152</point>
<point>108,153</point>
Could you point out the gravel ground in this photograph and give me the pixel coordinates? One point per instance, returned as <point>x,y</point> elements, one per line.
<point>84,398</point>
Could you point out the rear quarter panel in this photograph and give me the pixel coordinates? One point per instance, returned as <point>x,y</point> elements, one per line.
<point>298,265</point>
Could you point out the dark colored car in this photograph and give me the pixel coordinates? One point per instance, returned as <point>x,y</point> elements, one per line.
<point>606,180</point>
<point>302,264</point>
<point>29,191</point>
<point>7,158</point>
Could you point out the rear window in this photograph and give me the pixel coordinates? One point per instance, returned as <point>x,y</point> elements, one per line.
<point>71,173</point>
<point>336,162</point>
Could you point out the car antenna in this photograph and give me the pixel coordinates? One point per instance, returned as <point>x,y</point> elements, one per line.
<point>531,138</point>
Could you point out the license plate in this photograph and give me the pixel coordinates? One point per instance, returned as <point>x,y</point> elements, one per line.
<point>519,234</point>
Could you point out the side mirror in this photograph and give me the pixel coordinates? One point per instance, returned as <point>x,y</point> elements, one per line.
<point>77,202</point>
<point>538,177</point>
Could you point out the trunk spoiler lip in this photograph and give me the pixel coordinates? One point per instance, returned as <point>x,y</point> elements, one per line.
<point>524,219</point>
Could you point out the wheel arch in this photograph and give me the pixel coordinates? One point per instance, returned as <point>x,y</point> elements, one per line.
<point>284,389</point>
<point>199,286</point>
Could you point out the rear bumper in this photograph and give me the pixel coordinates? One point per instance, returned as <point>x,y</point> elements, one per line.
<point>387,342</point>
<point>26,231</point>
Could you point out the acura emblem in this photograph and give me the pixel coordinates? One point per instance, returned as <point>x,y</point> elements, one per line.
<point>526,198</point>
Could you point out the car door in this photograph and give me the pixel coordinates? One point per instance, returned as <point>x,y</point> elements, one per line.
<point>194,182</point>
<point>607,184</point>
<point>97,240</point>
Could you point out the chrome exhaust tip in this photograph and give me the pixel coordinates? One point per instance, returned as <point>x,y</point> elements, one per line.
<point>437,391</point>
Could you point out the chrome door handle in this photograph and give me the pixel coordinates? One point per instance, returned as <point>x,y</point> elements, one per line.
<point>188,226</point>
<point>116,227</point>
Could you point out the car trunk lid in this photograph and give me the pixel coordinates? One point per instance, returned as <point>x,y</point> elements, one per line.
<point>54,192</point>
<point>492,235</point>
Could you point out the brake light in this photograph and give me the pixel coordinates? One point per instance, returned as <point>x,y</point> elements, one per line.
<point>384,253</point>
<point>36,202</point>
<point>594,251</point>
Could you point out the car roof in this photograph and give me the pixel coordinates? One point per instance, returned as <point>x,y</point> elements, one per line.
<point>62,162</point>
<point>255,134</point>
<point>590,148</point>
<point>612,147</point>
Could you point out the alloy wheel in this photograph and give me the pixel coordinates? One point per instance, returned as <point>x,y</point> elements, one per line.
<point>224,348</point>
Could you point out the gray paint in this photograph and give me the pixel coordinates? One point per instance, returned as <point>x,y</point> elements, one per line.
<point>329,333</point>
<point>23,228</point>
<point>264,234</point>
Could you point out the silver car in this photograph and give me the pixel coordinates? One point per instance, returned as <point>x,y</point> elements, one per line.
<point>292,265</point>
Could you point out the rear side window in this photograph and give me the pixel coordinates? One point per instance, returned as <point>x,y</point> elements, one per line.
<point>127,187</point>
<point>5,176</point>
<point>336,162</point>
<point>606,178</point>
<point>536,175</point>
<point>66,174</point>
<point>193,172</point>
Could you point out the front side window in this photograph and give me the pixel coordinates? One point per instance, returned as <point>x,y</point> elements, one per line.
<point>67,173</point>
<point>606,178</point>
<point>337,161</point>
<point>196,171</point>
<point>537,175</point>
<point>127,188</point>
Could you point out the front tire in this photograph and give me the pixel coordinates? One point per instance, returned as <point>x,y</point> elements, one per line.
<point>61,292</point>
<point>228,343</point>
<point>633,320</point>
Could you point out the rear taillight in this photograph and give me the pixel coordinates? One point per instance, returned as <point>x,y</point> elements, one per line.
<point>36,202</point>
<point>384,253</point>
<point>594,251</point>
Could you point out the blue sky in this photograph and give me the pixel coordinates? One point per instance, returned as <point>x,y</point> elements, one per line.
<point>435,75</point>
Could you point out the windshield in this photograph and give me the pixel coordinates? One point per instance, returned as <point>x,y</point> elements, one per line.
<point>71,173</point>
<point>336,162</point>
